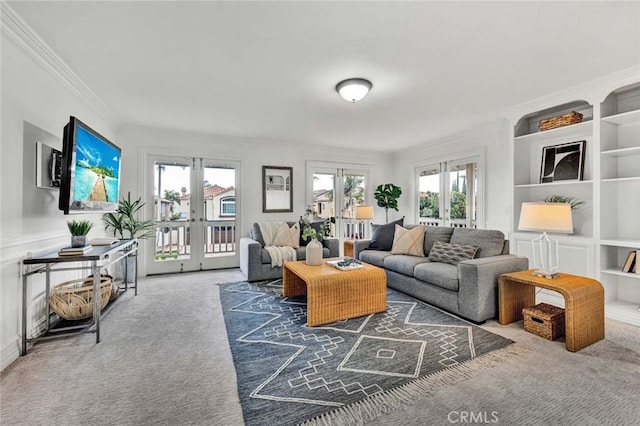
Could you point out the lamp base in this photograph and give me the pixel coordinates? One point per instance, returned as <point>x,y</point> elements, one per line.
<point>545,274</point>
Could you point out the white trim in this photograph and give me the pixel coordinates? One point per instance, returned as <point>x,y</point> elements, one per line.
<point>37,243</point>
<point>9,352</point>
<point>15,29</point>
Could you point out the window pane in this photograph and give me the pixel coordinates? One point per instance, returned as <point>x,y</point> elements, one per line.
<point>429,193</point>
<point>354,193</point>
<point>323,201</point>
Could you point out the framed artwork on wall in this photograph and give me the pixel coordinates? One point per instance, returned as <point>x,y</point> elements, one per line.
<point>564,162</point>
<point>277,189</point>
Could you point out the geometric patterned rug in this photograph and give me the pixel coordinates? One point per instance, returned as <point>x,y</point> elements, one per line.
<point>349,370</point>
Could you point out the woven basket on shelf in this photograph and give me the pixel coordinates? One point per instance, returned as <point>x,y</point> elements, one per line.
<point>73,300</point>
<point>560,121</point>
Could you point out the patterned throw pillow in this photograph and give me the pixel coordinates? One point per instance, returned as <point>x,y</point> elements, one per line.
<point>451,253</point>
<point>286,236</point>
<point>408,241</point>
<point>382,235</point>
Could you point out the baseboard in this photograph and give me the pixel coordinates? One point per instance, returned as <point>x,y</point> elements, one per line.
<point>10,352</point>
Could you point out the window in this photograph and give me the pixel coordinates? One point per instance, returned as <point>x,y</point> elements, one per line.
<point>228,206</point>
<point>449,193</point>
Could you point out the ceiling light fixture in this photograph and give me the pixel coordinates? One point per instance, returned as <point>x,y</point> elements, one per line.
<point>354,89</point>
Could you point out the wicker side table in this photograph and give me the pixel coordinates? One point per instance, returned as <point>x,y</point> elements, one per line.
<point>335,295</point>
<point>583,297</point>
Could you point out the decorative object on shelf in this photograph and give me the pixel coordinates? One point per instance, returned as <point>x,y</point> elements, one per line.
<point>73,300</point>
<point>631,264</point>
<point>575,204</point>
<point>277,189</point>
<point>387,196</point>
<point>560,121</point>
<point>79,230</point>
<point>353,89</point>
<point>564,162</point>
<point>546,217</point>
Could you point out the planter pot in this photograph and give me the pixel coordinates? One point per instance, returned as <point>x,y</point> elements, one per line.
<point>314,253</point>
<point>130,263</point>
<point>78,240</point>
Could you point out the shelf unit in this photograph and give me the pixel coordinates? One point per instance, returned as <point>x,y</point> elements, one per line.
<point>606,227</point>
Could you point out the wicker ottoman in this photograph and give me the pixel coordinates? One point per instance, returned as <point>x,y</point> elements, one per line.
<point>335,295</point>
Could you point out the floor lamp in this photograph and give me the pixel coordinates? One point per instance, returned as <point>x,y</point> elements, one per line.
<point>546,217</point>
<point>363,215</point>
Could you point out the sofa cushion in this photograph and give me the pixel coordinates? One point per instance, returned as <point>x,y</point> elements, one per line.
<point>442,275</point>
<point>402,263</point>
<point>301,254</point>
<point>287,236</point>
<point>256,234</point>
<point>382,235</point>
<point>489,242</point>
<point>408,241</point>
<point>451,253</point>
<point>436,233</point>
<point>374,257</point>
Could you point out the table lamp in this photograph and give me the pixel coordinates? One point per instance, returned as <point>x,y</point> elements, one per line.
<point>364,214</point>
<point>546,217</point>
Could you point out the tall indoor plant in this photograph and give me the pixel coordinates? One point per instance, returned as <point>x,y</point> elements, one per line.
<point>125,223</point>
<point>387,196</point>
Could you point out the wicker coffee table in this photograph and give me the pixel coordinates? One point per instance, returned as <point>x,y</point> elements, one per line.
<point>335,295</point>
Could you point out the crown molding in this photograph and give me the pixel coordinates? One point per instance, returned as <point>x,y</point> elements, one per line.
<point>16,30</point>
<point>593,91</point>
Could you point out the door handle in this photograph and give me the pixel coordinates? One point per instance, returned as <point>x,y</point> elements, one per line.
<point>193,220</point>
<point>201,220</point>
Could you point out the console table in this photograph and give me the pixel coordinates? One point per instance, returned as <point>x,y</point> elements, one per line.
<point>98,257</point>
<point>583,297</point>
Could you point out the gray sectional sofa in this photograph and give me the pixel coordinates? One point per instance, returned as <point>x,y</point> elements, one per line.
<point>468,289</point>
<point>255,261</point>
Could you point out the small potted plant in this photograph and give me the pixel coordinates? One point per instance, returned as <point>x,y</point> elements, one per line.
<point>79,230</point>
<point>313,251</point>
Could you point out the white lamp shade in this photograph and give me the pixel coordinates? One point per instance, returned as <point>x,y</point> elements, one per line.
<point>364,212</point>
<point>354,89</point>
<point>546,217</point>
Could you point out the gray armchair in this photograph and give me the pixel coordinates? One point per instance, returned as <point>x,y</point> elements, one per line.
<point>255,261</point>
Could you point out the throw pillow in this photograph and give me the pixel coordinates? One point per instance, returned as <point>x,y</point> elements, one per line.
<point>286,236</point>
<point>382,235</point>
<point>408,241</point>
<point>451,253</point>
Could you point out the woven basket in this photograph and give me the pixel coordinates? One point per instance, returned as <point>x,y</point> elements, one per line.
<point>560,121</point>
<point>544,320</point>
<point>73,300</point>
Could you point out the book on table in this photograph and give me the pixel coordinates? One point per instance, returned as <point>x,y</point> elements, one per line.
<point>74,251</point>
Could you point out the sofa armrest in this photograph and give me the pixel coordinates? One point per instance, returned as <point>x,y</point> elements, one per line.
<point>250,257</point>
<point>333,244</point>
<point>358,246</point>
<point>478,281</point>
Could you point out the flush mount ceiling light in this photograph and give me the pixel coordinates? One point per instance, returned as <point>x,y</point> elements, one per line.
<point>353,89</point>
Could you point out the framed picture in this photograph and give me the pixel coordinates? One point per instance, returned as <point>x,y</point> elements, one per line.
<point>564,162</point>
<point>277,189</point>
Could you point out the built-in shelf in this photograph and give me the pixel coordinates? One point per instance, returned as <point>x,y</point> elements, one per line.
<point>629,117</point>
<point>625,179</point>
<point>615,242</point>
<point>574,129</point>
<point>622,310</point>
<point>619,272</point>
<point>622,152</point>
<point>540,185</point>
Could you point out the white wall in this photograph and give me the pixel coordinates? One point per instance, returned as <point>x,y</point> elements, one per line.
<point>491,140</point>
<point>34,102</point>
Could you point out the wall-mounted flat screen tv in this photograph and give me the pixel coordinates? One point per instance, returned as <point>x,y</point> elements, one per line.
<point>90,179</point>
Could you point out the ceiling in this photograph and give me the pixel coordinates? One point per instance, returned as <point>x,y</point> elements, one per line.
<point>268,70</point>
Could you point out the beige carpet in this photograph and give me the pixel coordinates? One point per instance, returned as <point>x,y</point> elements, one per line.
<point>164,359</point>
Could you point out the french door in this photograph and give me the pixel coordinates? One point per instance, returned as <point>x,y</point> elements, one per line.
<point>339,193</point>
<point>449,193</point>
<point>195,207</point>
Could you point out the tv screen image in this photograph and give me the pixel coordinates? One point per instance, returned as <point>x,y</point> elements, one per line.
<point>91,171</point>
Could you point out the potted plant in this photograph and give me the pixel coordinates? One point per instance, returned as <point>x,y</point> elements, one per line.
<point>387,197</point>
<point>124,223</point>
<point>313,255</point>
<point>79,230</point>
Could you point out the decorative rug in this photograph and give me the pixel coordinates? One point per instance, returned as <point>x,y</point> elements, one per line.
<point>347,371</point>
